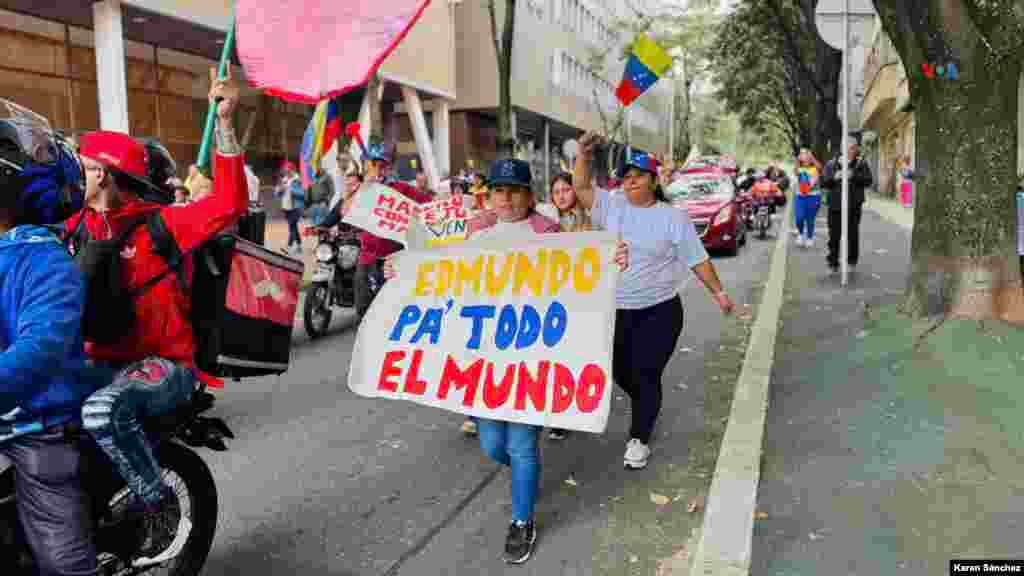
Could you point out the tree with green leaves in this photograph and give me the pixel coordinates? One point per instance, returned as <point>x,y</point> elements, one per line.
<point>963,257</point>
<point>777,73</point>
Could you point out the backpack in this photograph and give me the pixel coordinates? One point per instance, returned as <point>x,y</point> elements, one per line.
<point>227,342</point>
<point>106,318</point>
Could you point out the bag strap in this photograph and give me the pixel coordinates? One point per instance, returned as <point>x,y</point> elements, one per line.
<point>167,248</point>
<point>79,236</point>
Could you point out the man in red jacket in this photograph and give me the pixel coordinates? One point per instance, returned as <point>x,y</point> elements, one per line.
<point>374,248</point>
<point>152,368</point>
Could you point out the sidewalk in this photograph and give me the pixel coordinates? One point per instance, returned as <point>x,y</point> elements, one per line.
<point>891,446</point>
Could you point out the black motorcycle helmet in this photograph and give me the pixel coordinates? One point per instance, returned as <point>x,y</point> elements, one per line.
<point>12,159</point>
<point>160,168</point>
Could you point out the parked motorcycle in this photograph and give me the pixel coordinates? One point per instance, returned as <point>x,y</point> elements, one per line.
<point>333,284</point>
<point>118,537</point>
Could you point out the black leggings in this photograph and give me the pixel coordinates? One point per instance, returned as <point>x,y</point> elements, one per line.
<point>645,340</point>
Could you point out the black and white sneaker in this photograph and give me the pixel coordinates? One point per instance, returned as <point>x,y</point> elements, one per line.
<point>557,434</point>
<point>520,541</point>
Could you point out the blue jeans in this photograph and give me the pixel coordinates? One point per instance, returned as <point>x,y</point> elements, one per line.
<point>515,445</point>
<point>806,209</point>
<point>114,416</point>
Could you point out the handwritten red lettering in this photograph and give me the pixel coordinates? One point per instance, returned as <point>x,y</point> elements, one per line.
<point>467,379</point>
<point>495,395</point>
<point>413,384</point>
<point>535,388</point>
<point>390,370</point>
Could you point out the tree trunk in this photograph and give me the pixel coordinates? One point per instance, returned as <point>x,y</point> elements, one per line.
<point>376,118</point>
<point>963,252</point>
<point>503,49</point>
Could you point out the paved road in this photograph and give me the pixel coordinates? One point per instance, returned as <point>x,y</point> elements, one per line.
<point>320,481</point>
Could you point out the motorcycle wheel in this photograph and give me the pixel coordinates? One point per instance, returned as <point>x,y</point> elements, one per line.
<point>316,311</point>
<point>201,502</point>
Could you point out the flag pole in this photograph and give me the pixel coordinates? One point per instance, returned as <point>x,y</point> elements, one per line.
<point>203,161</point>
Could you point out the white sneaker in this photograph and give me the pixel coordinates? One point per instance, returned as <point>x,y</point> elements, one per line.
<point>637,454</point>
<point>796,232</point>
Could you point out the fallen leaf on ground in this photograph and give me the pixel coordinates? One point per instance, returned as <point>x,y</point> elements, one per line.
<point>659,499</point>
<point>570,481</point>
<point>695,505</point>
<point>761,515</point>
<point>633,559</point>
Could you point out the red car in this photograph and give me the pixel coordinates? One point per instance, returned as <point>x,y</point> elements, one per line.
<point>717,211</point>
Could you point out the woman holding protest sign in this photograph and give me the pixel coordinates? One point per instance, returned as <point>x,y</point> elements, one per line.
<point>513,218</point>
<point>649,316</point>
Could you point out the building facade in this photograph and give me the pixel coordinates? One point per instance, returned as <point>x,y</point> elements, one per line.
<point>887,112</point>
<point>142,66</point>
<point>555,93</point>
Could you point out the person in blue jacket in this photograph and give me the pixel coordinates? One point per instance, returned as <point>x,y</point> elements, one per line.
<point>42,295</point>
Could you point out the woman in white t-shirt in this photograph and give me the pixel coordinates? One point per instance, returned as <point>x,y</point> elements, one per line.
<point>649,315</point>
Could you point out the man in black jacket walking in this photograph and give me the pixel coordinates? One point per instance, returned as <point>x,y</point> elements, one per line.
<point>832,180</point>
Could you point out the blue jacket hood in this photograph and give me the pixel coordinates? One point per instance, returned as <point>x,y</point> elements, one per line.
<point>42,295</point>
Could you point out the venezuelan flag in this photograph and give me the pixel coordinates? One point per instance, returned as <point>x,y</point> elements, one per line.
<point>321,133</point>
<point>647,63</point>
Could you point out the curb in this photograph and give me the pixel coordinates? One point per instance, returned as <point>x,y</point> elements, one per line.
<point>724,548</point>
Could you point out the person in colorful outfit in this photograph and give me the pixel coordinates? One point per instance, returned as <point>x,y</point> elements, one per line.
<point>808,196</point>
<point>151,370</point>
<point>42,294</point>
<point>513,219</point>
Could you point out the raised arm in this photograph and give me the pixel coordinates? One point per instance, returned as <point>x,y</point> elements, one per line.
<point>582,178</point>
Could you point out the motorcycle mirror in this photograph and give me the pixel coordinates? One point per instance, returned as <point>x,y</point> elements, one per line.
<point>570,149</point>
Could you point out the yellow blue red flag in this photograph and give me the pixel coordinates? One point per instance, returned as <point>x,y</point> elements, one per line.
<point>647,63</point>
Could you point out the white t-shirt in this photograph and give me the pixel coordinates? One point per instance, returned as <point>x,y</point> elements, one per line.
<point>661,241</point>
<point>506,231</point>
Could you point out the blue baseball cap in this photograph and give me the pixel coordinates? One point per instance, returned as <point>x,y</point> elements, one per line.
<point>510,172</point>
<point>377,152</point>
<point>639,159</point>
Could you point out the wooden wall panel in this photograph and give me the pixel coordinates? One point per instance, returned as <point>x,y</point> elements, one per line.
<point>44,95</point>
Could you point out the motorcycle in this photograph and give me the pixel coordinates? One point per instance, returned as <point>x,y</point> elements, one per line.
<point>117,536</point>
<point>333,283</point>
<point>763,218</point>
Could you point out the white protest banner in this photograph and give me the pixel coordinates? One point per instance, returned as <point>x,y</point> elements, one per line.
<point>520,334</point>
<point>381,211</point>
<point>441,222</point>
